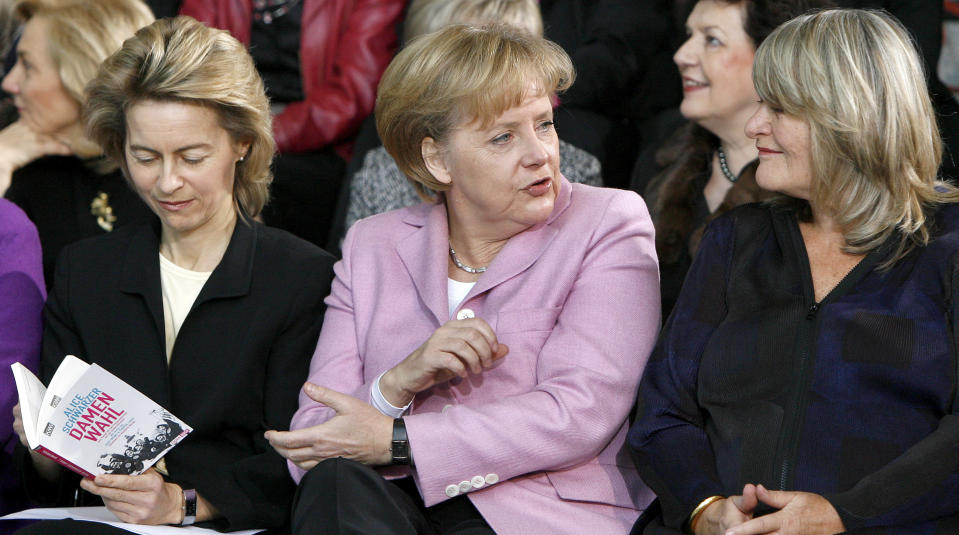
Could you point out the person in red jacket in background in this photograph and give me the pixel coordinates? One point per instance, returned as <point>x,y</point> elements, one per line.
<point>321,61</point>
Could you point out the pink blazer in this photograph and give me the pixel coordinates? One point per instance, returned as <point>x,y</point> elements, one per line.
<point>536,441</point>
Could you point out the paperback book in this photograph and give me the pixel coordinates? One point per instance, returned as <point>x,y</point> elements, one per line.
<point>93,422</point>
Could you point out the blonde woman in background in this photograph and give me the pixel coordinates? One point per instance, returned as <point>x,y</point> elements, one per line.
<point>47,164</point>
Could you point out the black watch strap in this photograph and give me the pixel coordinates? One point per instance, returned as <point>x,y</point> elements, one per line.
<point>400,446</point>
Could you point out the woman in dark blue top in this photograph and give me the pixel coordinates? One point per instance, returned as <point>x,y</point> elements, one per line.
<point>806,381</point>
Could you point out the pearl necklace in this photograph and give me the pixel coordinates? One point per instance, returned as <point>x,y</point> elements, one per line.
<point>464,267</point>
<point>725,168</point>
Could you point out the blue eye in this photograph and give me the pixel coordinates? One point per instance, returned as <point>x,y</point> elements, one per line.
<point>712,41</point>
<point>546,126</point>
<point>502,139</point>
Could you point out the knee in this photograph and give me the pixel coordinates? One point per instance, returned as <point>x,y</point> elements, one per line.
<point>332,471</point>
<point>323,483</point>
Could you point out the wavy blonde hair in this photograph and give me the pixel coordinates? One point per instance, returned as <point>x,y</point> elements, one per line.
<point>856,77</point>
<point>428,16</point>
<point>181,60</point>
<point>80,35</point>
<point>458,75</point>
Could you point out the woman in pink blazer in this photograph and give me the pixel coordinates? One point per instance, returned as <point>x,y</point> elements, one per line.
<point>481,351</point>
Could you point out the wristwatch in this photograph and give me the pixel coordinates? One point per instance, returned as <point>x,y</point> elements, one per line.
<point>189,507</point>
<point>400,446</point>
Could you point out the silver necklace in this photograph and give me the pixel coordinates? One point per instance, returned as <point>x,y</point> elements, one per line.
<point>464,267</point>
<point>725,168</point>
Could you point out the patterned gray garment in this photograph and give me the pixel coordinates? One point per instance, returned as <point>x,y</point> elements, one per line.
<point>379,186</point>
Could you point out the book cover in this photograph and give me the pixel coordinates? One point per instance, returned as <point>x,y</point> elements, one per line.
<point>93,422</point>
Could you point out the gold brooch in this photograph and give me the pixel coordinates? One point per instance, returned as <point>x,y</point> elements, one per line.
<point>101,209</point>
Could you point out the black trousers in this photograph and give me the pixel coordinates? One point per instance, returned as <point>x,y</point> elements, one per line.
<point>340,496</point>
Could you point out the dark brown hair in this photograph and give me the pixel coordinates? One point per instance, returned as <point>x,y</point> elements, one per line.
<point>688,154</point>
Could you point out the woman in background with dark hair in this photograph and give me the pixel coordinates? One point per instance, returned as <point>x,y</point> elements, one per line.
<point>707,166</point>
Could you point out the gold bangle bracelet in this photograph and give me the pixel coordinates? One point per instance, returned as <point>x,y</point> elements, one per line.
<point>698,511</point>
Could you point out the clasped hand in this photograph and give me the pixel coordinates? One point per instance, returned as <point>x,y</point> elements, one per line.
<point>142,499</point>
<point>799,513</point>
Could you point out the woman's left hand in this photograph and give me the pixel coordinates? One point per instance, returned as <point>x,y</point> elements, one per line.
<point>142,499</point>
<point>358,432</point>
<point>800,513</point>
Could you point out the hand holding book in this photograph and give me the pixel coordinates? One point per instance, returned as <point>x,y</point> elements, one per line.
<point>45,466</point>
<point>142,499</point>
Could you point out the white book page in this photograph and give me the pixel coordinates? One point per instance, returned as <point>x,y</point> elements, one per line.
<point>67,373</point>
<point>102,515</point>
<point>31,391</point>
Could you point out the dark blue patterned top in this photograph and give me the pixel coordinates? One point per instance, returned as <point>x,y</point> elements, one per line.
<point>852,398</point>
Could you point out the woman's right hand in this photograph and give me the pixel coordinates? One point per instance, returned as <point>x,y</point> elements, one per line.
<point>456,349</point>
<point>19,146</point>
<point>18,426</point>
<point>47,468</point>
<point>728,512</point>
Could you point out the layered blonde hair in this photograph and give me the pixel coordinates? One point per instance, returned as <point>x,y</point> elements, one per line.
<point>856,77</point>
<point>428,16</point>
<point>455,76</point>
<point>80,35</point>
<point>181,60</point>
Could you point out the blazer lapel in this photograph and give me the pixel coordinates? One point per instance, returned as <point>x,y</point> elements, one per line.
<point>234,274</point>
<point>424,255</point>
<point>523,249</point>
<point>141,272</point>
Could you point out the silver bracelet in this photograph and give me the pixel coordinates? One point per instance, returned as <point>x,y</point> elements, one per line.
<point>189,507</point>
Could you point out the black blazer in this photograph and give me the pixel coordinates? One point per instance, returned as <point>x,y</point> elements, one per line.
<point>240,358</point>
<point>56,193</point>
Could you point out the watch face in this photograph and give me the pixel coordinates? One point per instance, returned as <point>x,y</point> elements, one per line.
<point>190,498</point>
<point>401,452</point>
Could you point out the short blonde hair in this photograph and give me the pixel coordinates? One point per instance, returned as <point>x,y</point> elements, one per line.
<point>181,60</point>
<point>428,16</point>
<point>458,75</point>
<point>856,77</point>
<point>83,33</point>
